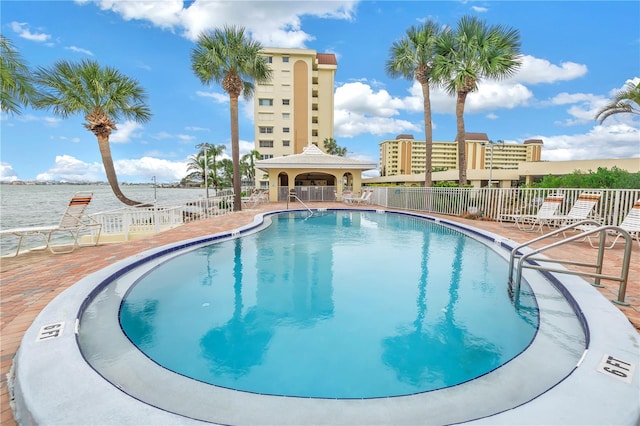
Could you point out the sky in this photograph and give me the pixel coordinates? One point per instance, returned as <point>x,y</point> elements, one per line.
<point>575,56</point>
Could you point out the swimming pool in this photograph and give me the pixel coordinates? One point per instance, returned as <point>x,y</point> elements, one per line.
<point>536,387</point>
<point>338,305</point>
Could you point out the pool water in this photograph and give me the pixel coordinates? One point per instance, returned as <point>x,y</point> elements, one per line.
<point>341,304</point>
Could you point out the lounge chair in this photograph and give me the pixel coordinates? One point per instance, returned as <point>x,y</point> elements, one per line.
<point>631,224</point>
<point>73,221</point>
<point>529,222</point>
<point>363,199</point>
<point>582,209</point>
<point>255,198</point>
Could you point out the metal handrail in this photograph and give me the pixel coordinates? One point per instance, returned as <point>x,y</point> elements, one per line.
<point>294,195</point>
<point>597,275</point>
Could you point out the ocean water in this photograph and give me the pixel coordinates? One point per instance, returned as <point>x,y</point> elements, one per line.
<point>42,205</point>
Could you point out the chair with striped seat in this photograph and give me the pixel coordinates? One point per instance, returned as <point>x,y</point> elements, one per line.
<point>74,221</point>
<point>535,222</point>
<point>630,224</point>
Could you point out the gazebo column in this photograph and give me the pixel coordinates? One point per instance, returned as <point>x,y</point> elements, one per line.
<point>339,187</point>
<point>357,183</point>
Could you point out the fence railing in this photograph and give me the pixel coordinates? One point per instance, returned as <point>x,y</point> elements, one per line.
<point>130,221</point>
<point>308,193</point>
<point>493,203</point>
<point>487,203</point>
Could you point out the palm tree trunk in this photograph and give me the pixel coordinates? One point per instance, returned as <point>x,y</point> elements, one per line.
<point>109,169</point>
<point>428,136</point>
<point>235,153</point>
<point>460,137</point>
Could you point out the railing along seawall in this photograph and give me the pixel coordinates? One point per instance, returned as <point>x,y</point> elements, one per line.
<point>130,221</point>
<point>492,203</point>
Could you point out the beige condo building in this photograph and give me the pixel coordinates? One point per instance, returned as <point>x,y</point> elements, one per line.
<point>406,156</point>
<point>295,108</point>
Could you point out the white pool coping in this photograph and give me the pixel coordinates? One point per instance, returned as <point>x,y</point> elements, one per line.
<point>53,384</point>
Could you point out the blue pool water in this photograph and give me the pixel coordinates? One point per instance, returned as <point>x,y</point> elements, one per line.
<point>342,304</point>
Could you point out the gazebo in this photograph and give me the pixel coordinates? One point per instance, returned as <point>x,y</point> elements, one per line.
<point>313,171</point>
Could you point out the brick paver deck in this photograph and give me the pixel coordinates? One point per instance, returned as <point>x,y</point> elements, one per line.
<point>31,280</point>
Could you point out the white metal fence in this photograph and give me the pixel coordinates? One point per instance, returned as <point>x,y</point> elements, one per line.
<point>129,221</point>
<point>491,203</point>
<point>487,203</point>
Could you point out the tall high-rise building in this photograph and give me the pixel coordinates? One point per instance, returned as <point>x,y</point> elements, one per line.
<point>406,156</point>
<point>295,108</point>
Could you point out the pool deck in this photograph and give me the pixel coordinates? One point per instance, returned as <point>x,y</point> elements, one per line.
<point>31,280</point>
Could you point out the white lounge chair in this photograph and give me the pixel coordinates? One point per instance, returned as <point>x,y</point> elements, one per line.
<point>73,221</point>
<point>529,222</point>
<point>582,209</point>
<point>255,198</point>
<point>364,199</point>
<point>630,223</point>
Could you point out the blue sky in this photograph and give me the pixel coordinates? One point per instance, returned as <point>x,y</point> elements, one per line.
<point>575,56</point>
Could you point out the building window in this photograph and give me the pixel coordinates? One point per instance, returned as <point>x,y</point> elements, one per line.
<point>285,102</point>
<point>285,59</point>
<point>264,129</point>
<point>285,115</point>
<point>265,116</point>
<point>265,102</point>
<point>266,156</point>
<point>285,130</point>
<point>269,59</point>
<point>266,144</point>
<point>286,142</point>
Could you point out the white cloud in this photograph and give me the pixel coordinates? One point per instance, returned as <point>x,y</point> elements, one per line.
<point>70,169</point>
<point>79,50</point>
<point>600,142</point>
<point>196,129</point>
<point>220,98</point>
<point>535,71</point>
<point>21,28</point>
<point>145,168</point>
<point>271,23</point>
<point>360,110</point>
<point>126,131</point>
<point>7,174</point>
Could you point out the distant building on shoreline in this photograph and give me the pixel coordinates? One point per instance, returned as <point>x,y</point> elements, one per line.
<point>406,156</point>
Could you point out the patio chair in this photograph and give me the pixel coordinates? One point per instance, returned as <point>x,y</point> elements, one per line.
<point>582,209</point>
<point>255,198</point>
<point>364,199</point>
<point>630,223</point>
<point>529,222</point>
<point>74,221</point>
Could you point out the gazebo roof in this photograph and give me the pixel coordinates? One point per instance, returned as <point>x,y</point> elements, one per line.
<point>313,158</point>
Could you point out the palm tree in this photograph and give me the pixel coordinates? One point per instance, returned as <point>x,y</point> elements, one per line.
<point>412,58</point>
<point>626,100</point>
<point>467,55</point>
<point>206,163</point>
<point>102,94</point>
<point>249,161</point>
<point>228,57</point>
<point>195,167</point>
<point>227,172</point>
<point>331,147</point>
<point>15,76</point>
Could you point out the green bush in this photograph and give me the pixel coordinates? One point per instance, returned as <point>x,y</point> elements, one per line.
<point>603,178</point>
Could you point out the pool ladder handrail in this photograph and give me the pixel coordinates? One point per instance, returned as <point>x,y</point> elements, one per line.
<point>597,275</point>
<point>295,196</point>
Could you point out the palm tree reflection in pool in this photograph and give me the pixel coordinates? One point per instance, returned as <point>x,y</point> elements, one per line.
<point>417,356</point>
<point>240,343</point>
